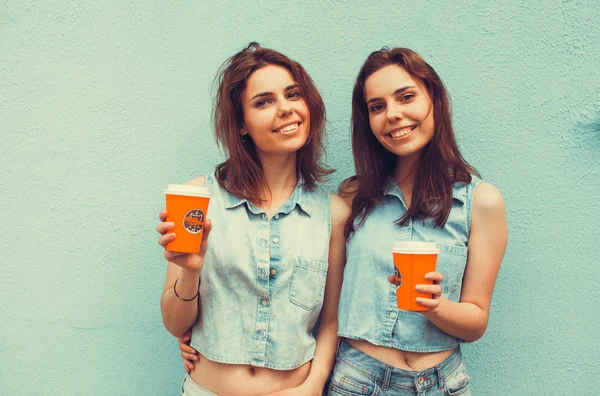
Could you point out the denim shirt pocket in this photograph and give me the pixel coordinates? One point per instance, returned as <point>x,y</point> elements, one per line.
<point>451,263</point>
<point>307,286</point>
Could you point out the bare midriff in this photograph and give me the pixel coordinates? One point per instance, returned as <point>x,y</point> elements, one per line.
<point>410,361</point>
<point>240,379</point>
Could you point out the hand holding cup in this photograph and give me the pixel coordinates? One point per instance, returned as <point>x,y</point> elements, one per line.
<point>417,283</point>
<point>434,289</point>
<point>189,261</point>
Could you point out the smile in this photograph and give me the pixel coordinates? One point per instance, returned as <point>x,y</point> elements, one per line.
<point>288,128</point>
<point>401,132</point>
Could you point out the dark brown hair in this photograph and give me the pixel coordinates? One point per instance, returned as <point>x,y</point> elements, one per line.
<point>241,174</point>
<point>440,165</point>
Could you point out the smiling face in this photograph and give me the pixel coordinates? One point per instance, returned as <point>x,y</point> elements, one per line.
<point>400,111</point>
<point>275,114</point>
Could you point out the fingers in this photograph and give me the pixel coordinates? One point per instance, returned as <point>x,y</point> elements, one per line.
<point>187,349</point>
<point>435,277</point>
<point>186,337</point>
<point>188,354</point>
<point>188,360</point>
<point>162,215</point>
<point>205,234</point>
<point>164,227</point>
<point>394,279</point>
<point>434,290</point>
<point>428,302</point>
<point>189,366</point>
<point>191,357</point>
<point>165,239</point>
<point>207,228</point>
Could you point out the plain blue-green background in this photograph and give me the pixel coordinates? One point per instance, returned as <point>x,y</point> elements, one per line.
<point>102,104</point>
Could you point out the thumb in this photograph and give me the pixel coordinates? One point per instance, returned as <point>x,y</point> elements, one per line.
<point>207,228</point>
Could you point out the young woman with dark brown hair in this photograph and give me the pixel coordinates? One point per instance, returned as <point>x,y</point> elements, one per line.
<point>272,256</point>
<point>412,184</point>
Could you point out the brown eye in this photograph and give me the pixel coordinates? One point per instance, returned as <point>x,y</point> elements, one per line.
<point>375,108</point>
<point>293,95</point>
<point>261,103</point>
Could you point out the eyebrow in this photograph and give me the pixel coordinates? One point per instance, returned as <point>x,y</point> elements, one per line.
<point>288,88</point>
<point>396,92</point>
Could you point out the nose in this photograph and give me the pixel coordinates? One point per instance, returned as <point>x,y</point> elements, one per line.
<point>285,109</point>
<point>394,113</point>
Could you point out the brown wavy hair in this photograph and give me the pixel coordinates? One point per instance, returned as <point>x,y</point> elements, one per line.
<point>440,165</point>
<point>242,174</point>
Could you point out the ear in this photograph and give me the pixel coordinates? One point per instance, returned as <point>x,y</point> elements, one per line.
<point>243,131</point>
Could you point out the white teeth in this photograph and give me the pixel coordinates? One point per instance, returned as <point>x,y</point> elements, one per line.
<point>400,133</point>
<point>288,128</point>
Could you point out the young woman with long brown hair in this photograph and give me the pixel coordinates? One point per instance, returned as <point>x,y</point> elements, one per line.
<point>272,256</point>
<point>412,184</point>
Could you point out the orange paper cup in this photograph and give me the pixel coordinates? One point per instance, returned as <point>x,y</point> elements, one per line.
<point>412,260</point>
<point>187,207</point>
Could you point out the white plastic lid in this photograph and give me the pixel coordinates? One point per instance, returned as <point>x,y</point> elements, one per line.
<point>194,191</point>
<point>415,247</point>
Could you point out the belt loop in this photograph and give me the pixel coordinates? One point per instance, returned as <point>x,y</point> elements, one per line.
<point>441,378</point>
<point>386,378</point>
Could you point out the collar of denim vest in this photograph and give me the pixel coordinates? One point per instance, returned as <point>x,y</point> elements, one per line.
<point>299,197</point>
<point>458,191</point>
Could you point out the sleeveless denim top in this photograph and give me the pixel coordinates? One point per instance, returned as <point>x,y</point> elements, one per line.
<point>263,281</point>
<point>368,308</point>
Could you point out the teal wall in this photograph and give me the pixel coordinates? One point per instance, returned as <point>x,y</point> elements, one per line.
<point>102,104</point>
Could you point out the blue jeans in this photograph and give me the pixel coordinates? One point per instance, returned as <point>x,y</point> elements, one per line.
<point>190,388</point>
<point>357,374</point>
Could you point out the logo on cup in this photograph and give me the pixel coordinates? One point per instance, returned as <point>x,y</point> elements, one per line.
<point>398,276</point>
<point>193,221</point>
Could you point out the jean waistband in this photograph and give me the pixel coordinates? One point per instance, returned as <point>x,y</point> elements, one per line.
<point>387,374</point>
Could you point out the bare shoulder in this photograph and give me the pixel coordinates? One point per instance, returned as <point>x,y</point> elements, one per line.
<point>348,189</point>
<point>199,181</point>
<point>488,199</point>
<point>340,209</point>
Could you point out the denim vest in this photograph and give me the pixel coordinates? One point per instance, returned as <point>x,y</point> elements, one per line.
<point>368,307</point>
<point>263,281</point>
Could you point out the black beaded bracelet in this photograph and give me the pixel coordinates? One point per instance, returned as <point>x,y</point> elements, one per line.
<point>181,298</point>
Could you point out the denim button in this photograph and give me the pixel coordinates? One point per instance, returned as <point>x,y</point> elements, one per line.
<point>275,240</point>
<point>273,271</point>
<point>392,315</point>
<point>265,302</point>
<point>423,379</point>
<point>276,216</point>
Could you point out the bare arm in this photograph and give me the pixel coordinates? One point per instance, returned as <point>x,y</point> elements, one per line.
<point>328,323</point>
<point>468,318</point>
<point>179,315</point>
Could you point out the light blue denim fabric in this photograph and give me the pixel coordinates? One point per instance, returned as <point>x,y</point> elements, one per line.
<point>263,281</point>
<point>368,307</point>
<point>190,388</point>
<point>356,373</point>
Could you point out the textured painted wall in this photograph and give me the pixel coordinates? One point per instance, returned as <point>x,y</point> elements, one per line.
<point>102,104</point>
